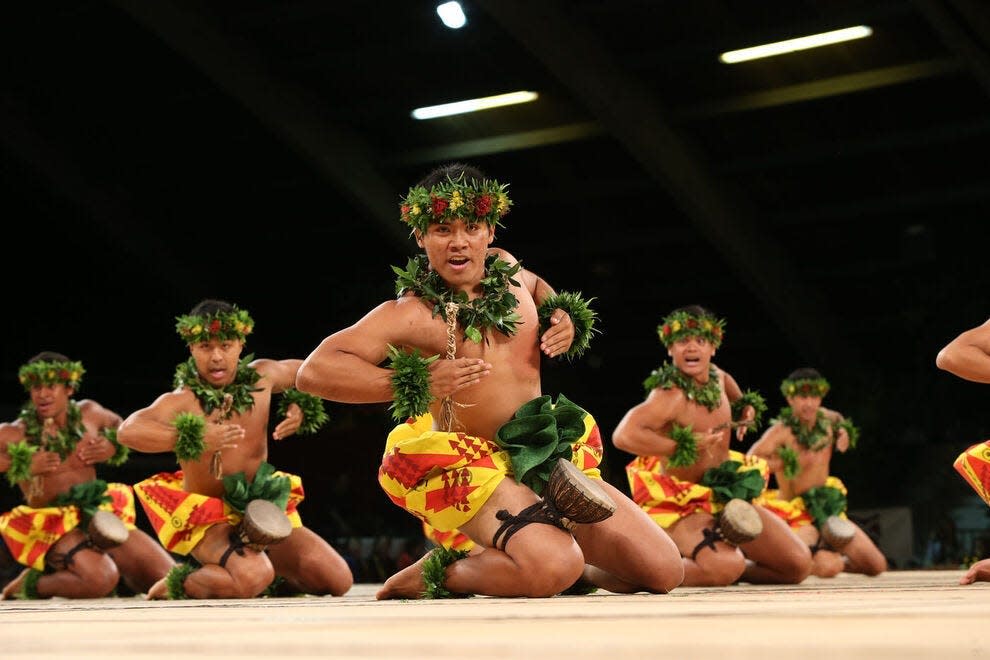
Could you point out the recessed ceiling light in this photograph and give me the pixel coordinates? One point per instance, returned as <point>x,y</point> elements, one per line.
<point>452,15</point>
<point>800,43</point>
<point>473,105</point>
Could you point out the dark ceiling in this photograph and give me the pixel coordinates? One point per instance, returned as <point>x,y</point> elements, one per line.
<point>831,204</point>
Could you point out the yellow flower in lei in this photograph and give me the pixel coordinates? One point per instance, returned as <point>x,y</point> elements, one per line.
<point>681,324</point>
<point>804,387</point>
<point>455,199</point>
<point>49,373</point>
<point>236,324</point>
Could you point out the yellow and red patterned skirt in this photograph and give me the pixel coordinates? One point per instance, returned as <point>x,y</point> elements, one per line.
<point>667,499</point>
<point>30,533</point>
<point>444,478</point>
<point>794,511</point>
<point>974,466</point>
<point>181,519</point>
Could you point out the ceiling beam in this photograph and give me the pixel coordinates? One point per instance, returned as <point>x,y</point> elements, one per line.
<point>813,91</point>
<point>342,159</point>
<point>963,28</point>
<point>109,210</point>
<point>500,143</point>
<point>628,110</point>
<point>826,87</point>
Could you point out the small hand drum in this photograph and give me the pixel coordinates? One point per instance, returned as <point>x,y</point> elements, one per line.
<point>106,530</point>
<point>263,524</point>
<point>577,497</point>
<point>837,532</point>
<point>739,522</point>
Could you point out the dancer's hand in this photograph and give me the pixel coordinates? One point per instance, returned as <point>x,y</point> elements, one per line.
<point>558,337</point>
<point>449,376</point>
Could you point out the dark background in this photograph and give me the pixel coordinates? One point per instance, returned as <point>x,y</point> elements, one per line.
<point>831,204</point>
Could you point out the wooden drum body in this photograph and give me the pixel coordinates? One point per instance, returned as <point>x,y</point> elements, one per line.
<point>739,522</point>
<point>263,524</point>
<point>577,497</point>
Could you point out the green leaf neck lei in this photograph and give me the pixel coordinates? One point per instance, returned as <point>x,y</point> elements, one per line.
<point>814,438</point>
<point>668,376</point>
<point>210,397</point>
<point>64,440</point>
<point>494,309</point>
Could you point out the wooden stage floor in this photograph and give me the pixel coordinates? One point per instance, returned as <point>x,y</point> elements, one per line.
<point>901,614</point>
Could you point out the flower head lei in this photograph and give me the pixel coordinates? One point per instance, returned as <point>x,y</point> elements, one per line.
<point>455,199</point>
<point>804,387</point>
<point>680,324</point>
<point>39,373</point>
<point>236,324</point>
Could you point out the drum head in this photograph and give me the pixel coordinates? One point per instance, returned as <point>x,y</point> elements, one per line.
<point>265,522</point>
<point>106,530</point>
<point>838,532</point>
<point>740,522</point>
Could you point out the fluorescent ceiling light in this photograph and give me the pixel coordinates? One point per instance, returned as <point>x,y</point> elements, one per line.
<point>801,43</point>
<point>473,105</point>
<point>452,15</point>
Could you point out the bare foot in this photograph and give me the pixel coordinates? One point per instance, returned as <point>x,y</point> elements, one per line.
<point>978,572</point>
<point>14,586</point>
<point>826,564</point>
<point>407,583</point>
<point>159,590</point>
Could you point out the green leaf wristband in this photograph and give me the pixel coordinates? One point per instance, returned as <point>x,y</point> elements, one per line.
<point>790,459</point>
<point>851,430</point>
<point>750,398</point>
<point>582,316</point>
<point>191,427</point>
<point>410,384</point>
<point>20,461</point>
<point>314,416</point>
<point>120,452</point>
<point>687,447</point>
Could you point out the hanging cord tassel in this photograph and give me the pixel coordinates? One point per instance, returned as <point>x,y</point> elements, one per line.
<point>216,463</point>
<point>447,417</point>
<point>37,486</point>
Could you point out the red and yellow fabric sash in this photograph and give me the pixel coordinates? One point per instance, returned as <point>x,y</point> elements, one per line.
<point>444,478</point>
<point>180,518</point>
<point>795,512</point>
<point>31,532</point>
<point>974,466</point>
<point>667,499</point>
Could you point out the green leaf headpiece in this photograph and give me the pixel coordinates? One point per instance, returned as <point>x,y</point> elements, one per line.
<point>39,373</point>
<point>804,387</point>
<point>236,324</point>
<point>455,199</point>
<point>680,324</point>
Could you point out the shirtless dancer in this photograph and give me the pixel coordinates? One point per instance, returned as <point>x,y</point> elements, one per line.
<point>478,439</point>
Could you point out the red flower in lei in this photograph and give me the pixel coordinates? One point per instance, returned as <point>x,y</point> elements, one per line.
<point>214,326</point>
<point>483,205</point>
<point>439,205</point>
